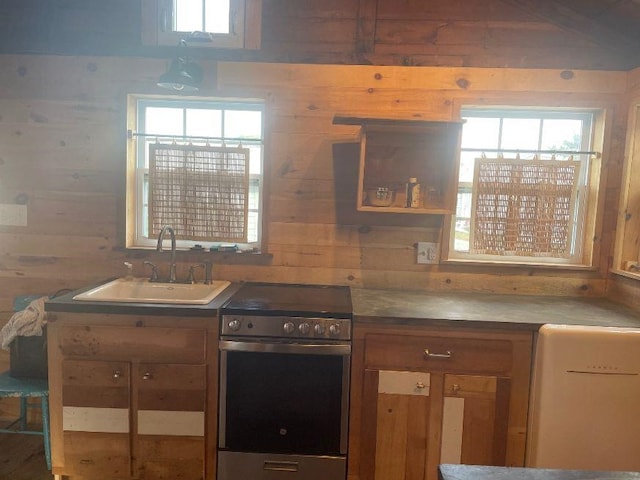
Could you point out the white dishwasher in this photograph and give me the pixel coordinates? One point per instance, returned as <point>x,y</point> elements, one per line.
<point>585,399</point>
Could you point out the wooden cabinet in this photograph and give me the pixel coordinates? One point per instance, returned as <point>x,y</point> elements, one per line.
<point>393,151</point>
<point>95,407</point>
<point>430,396</point>
<point>126,401</point>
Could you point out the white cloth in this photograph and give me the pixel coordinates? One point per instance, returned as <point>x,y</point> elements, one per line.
<point>27,323</point>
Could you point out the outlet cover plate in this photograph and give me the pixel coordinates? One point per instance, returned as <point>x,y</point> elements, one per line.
<point>427,252</point>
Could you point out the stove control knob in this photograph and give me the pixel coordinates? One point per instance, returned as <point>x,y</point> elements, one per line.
<point>289,327</point>
<point>235,325</point>
<point>334,329</point>
<point>318,329</point>
<point>304,328</point>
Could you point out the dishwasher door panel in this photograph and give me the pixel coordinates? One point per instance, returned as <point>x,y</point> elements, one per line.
<point>585,403</point>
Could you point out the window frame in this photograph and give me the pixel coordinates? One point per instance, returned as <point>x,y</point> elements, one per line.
<point>245,18</point>
<point>136,170</point>
<point>591,189</point>
<point>626,259</point>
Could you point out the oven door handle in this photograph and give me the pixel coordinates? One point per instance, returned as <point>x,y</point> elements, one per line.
<point>275,466</point>
<point>290,348</point>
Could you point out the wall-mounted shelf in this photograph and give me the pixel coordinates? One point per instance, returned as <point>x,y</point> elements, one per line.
<point>392,151</point>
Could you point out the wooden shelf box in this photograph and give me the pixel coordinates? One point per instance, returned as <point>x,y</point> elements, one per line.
<point>392,151</point>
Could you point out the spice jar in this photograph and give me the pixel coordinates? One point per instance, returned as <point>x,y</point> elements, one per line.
<point>413,193</point>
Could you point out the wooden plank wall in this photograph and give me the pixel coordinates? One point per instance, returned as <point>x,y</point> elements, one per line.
<point>625,287</point>
<point>63,146</point>
<point>480,33</point>
<point>320,92</point>
<point>60,142</point>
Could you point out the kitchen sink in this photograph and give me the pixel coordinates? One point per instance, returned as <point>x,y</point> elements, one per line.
<point>141,290</point>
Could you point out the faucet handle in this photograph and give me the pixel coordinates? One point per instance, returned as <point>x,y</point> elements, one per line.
<point>208,268</point>
<point>191,278</point>
<point>154,271</point>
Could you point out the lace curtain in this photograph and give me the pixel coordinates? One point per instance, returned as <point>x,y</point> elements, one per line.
<point>523,207</point>
<point>201,191</point>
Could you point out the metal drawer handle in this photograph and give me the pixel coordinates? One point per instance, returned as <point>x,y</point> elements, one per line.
<point>146,376</point>
<point>117,374</point>
<point>428,354</point>
<point>420,385</point>
<point>280,466</point>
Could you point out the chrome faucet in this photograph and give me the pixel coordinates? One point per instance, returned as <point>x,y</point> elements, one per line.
<point>172,265</point>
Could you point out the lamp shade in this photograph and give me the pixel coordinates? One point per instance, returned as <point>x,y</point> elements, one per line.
<point>183,76</point>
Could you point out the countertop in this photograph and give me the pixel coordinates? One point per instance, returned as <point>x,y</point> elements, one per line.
<point>376,306</point>
<point>515,311</point>
<point>473,472</point>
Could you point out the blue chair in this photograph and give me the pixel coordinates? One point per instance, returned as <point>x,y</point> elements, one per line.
<point>27,389</point>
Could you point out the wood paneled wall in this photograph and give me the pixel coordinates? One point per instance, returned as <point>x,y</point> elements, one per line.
<point>624,285</point>
<point>313,94</point>
<point>62,153</point>
<point>483,33</point>
<point>62,133</point>
<point>475,33</point>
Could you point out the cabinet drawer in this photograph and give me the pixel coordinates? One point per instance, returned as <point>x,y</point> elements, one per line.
<point>144,344</point>
<point>433,353</point>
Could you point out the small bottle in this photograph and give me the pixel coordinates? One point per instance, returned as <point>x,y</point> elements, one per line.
<point>433,196</point>
<point>413,193</point>
<point>129,276</point>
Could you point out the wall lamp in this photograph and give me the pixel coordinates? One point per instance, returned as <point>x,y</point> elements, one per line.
<point>183,75</point>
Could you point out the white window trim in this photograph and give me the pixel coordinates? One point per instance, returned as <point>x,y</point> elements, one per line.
<point>581,259</point>
<point>136,174</point>
<point>245,25</point>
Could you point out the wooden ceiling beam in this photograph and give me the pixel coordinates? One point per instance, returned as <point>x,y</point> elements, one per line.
<point>559,14</point>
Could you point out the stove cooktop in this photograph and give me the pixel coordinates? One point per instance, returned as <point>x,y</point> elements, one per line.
<point>276,299</point>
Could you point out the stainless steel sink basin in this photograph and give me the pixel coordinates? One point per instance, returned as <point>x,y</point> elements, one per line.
<point>141,290</point>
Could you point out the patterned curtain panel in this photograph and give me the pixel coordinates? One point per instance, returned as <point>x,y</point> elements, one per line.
<point>523,207</point>
<point>201,191</point>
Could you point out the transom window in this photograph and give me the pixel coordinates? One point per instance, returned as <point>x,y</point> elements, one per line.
<point>209,23</point>
<point>211,16</point>
<point>523,186</point>
<point>194,147</point>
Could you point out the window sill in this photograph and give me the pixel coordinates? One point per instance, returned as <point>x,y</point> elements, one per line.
<point>231,258</point>
<point>626,274</point>
<point>511,264</point>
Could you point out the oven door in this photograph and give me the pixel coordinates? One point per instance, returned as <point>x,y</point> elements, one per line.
<point>284,398</point>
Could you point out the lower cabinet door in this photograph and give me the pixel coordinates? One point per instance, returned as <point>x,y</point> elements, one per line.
<point>170,421</point>
<point>123,420</point>
<point>475,419</point>
<point>397,415</point>
<point>95,418</point>
<point>413,421</point>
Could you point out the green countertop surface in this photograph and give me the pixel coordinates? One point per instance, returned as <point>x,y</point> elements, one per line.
<point>474,472</point>
<point>518,311</point>
<point>418,308</point>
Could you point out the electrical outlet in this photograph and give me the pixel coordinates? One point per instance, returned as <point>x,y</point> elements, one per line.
<point>13,215</point>
<point>427,252</point>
